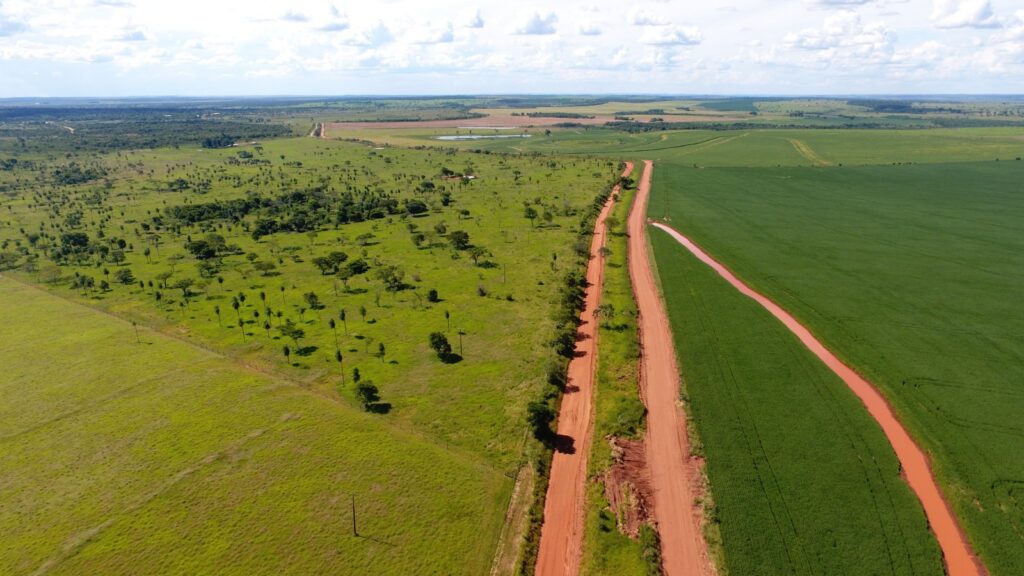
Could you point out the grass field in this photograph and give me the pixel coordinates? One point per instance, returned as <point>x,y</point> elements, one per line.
<point>495,302</point>
<point>912,274</point>
<point>476,403</point>
<point>127,457</point>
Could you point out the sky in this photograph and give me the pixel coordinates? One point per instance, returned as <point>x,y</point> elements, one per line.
<point>403,47</point>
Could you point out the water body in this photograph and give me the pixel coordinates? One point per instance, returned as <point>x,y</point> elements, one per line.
<point>481,136</point>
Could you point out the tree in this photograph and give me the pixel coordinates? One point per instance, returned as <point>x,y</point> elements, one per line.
<point>380,352</point>
<point>146,252</point>
<point>362,312</point>
<point>124,276</point>
<point>341,316</point>
<point>367,393</point>
<point>334,329</point>
<point>290,330</point>
<point>459,239</point>
<point>448,319</point>
<point>356,376</point>
<point>392,277</point>
<point>184,284</point>
<point>216,310</point>
<point>313,300</point>
<point>439,343</point>
<point>432,296</point>
<point>241,326</point>
<point>287,354</point>
<point>540,416</point>
<point>476,253</point>
<point>531,213</point>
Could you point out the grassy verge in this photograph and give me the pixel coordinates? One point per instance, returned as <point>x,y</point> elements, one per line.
<point>619,412</point>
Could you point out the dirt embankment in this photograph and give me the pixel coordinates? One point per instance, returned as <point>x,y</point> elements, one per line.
<point>959,557</point>
<point>561,536</point>
<point>627,485</point>
<point>675,476</point>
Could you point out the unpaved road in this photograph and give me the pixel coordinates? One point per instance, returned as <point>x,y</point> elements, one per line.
<point>674,475</point>
<point>561,536</point>
<point>960,559</point>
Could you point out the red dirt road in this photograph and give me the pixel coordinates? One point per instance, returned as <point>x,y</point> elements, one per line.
<point>960,559</point>
<point>674,476</point>
<point>561,536</point>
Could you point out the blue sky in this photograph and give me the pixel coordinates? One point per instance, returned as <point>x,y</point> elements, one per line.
<point>215,47</point>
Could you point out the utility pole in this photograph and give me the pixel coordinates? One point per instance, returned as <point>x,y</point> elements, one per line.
<point>354,531</point>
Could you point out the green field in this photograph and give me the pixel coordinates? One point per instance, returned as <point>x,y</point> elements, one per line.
<point>121,456</point>
<point>912,274</point>
<point>496,299</point>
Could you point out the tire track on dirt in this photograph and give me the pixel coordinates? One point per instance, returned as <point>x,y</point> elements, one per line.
<point>959,558</point>
<point>561,536</point>
<point>674,475</point>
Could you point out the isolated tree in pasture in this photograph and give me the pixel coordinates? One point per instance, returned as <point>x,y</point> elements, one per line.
<point>432,296</point>
<point>362,312</point>
<point>368,394</point>
<point>290,330</point>
<point>266,326</point>
<point>381,351</point>
<point>448,319</point>
<point>530,213</point>
<point>216,310</point>
<point>459,239</point>
<point>287,354</point>
<point>313,300</point>
<point>356,376</point>
<point>124,276</point>
<point>334,329</point>
<point>476,253</point>
<point>341,316</point>
<point>236,305</point>
<point>146,252</point>
<point>439,343</point>
<point>241,326</point>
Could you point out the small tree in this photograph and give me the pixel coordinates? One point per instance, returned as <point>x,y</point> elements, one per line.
<point>439,343</point>
<point>313,300</point>
<point>380,352</point>
<point>216,310</point>
<point>287,354</point>
<point>540,416</point>
<point>362,312</point>
<point>334,329</point>
<point>367,393</point>
<point>459,239</point>
<point>432,296</point>
<point>531,213</point>
<point>341,316</point>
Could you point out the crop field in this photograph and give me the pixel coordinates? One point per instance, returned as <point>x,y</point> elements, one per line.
<point>912,274</point>
<point>152,455</point>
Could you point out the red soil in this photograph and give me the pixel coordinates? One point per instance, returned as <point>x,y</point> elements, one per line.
<point>959,558</point>
<point>561,536</point>
<point>675,477</point>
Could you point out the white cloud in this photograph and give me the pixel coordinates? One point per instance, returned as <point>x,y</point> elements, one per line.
<point>292,16</point>
<point>671,36</point>
<point>336,26</point>
<point>640,17</point>
<point>132,36</point>
<point>11,27</point>
<point>474,20</point>
<point>538,25</point>
<point>963,14</point>
<point>434,35</point>
<point>590,29</point>
<point>370,36</point>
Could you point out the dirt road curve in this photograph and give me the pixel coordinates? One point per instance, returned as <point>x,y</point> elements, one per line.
<point>561,536</point>
<point>674,475</point>
<point>960,559</point>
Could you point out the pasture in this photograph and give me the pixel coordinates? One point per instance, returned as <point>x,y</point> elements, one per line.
<point>153,455</point>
